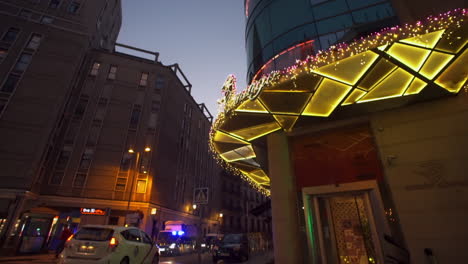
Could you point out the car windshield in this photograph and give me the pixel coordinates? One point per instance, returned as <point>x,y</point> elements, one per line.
<point>94,234</point>
<point>232,239</point>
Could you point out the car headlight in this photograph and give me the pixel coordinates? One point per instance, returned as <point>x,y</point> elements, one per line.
<point>172,246</point>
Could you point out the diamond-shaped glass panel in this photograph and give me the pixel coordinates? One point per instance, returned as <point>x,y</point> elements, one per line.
<point>434,64</point>
<point>455,75</point>
<point>349,70</point>
<point>226,138</point>
<point>455,41</point>
<point>376,74</point>
<point>426,41</point>
<point>253,132</point>
<point>286,121</point>
<point>415,87</point>
<point>412,57</point>
<point>354,97</point>
<point>285,103</point>
<point>251,106</point>
<point>328,96</point>
<point>394,85</point>
<point>245,152</point>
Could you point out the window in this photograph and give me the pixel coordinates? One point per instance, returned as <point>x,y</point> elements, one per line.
<point>160,82</point>
<point>64,156</point>
<point>10,83</point>
<point>47,20</point>
<point>95,69</point>
<point>3,103</point>
<point>54,3</point>
<point>72,131</point>
<point>144,79</point>
<point>100,112</point>
<point>112,73</point>
<point>93,135</point>
<point>3,54</point>
<point>135,117</point>
<point>26,14</point>
<point>34,42</point>
<point>141,186</point>
<point>131,235</point>
<point>23,62</point>
<point>57,177</point>
<point>79,180</point>
<point>11,35</point>
<point>74,7</point>
<point>155,106</point>
<point>86,158</point>
<point>146,238</point>
<point>81,107</point>
<point>125,163</point>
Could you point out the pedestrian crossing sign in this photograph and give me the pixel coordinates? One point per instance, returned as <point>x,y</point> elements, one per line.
<point>200,196</point>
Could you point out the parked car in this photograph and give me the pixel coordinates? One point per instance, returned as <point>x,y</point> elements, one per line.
<point>232,247</point>
<point>109,244</point>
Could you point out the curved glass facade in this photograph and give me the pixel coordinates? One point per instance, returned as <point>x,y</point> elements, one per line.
<point>278,32</point>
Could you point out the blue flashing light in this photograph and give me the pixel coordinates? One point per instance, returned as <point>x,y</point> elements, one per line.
<point>180,233</point>
<point>174,233</point>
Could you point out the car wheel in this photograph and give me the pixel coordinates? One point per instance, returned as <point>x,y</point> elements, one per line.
<point>125,261</point>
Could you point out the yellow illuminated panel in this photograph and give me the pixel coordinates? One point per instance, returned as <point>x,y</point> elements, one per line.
<point>259,177</point>
<point>434,64</point>
<point>328,96</point>
<point>354,97</point>
<point>285,103</point>
<point>455,75</point>
<point>394,85</point>
<point>226,138</point>
<point>251,106</point>
<point>253,132</point>
<point>415,87</point>
<point>349,70</point>
<point>454,41</point>
<point>412,57</point>
<point>287,122</point>
<point>376,74</point>
<point>426,41</point>
<point>382,48</point>
<point>245,152</point>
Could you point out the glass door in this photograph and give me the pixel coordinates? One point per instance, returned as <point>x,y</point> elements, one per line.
<point>346,229</point>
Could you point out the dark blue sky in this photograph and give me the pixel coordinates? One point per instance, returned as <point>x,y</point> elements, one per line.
<point>206,38</point>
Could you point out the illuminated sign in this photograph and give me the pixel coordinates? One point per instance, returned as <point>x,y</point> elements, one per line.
<point>92,211</point>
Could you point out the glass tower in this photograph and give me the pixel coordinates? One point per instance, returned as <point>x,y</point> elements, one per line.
<point>279,32</point>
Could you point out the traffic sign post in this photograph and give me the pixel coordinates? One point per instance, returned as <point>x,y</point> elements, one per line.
<point>200,195</point>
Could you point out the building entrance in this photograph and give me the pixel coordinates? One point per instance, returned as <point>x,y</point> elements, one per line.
<point>346,229</point>
<point>345,223</point>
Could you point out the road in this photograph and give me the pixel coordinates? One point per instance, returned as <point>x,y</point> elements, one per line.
<point>184,259</point>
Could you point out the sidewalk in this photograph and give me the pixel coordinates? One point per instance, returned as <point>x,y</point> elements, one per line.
<point>38,258</point>
<point>261,258</point>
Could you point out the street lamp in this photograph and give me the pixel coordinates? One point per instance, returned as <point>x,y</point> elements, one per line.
<point>136,170</point>
<point>194,207</point>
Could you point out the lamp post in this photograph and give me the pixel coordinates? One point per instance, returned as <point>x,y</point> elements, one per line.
<point>220,217</point>
<point>136,170</point>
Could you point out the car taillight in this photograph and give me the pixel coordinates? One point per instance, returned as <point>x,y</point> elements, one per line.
<point>113,243</point>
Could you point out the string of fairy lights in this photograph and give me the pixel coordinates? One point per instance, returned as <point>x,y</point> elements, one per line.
<point>231,99</point>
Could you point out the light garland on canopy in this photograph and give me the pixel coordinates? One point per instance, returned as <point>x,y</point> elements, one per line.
<point>232,100</point>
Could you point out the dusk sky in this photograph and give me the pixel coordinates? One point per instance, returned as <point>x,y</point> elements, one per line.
<point>205,37</point>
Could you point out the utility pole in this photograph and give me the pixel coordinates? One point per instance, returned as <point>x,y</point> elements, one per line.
<point>200,236</point>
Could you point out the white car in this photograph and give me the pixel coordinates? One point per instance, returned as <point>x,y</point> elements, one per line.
<point>106,244</point>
